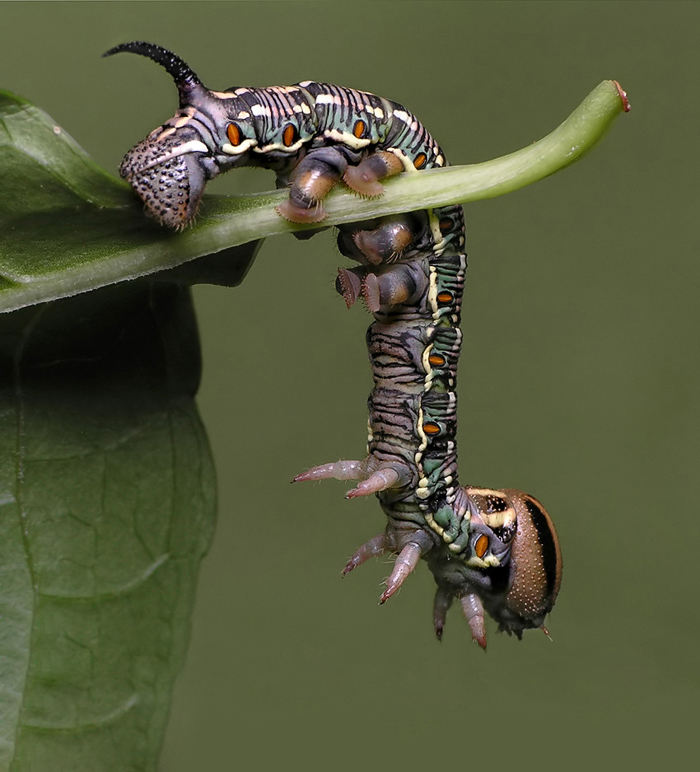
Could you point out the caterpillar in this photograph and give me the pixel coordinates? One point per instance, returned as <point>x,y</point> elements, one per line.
<point>496,551</point>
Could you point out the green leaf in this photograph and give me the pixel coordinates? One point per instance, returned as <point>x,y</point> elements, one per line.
<point>66,226</point>
<point>107,505</point>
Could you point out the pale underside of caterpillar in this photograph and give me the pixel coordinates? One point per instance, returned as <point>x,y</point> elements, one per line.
<point>493,550</point>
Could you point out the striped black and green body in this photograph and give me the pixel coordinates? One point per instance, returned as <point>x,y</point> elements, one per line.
<point>274,127</point>
<point>410,273</point>
<point>414,349</point>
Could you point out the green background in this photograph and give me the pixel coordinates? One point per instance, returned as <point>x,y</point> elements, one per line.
<point>577,383</point>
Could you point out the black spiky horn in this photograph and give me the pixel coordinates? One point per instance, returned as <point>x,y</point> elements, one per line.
<point>184,76</point>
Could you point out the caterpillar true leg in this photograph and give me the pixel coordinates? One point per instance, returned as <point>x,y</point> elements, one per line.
<point>381,480</point>
<point>474,613</point>
<point>339,470</point>
<point>405,564</point>
<point>374,477</point>
<point>371,549</point>
<point>441,605</point>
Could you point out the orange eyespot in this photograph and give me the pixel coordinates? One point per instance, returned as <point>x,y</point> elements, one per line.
<point>445,224</point>
<point>359,129</point>
<point>482,544</point>
<point>445,297</point>
<point>420,160</point>
<point>437,360</point>
<point>289,135</point>
<point>234,134</point>
<point>431,428</point>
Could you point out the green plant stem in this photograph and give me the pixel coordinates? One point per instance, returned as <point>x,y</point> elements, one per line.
<point>578,134</point>
<point>67,227</point>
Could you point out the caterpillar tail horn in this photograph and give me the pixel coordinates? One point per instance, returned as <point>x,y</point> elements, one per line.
<point>184,76</point>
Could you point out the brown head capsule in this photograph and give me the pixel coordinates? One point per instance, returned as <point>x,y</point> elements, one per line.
<point>535,567</point>
<point>512,566</point>
<point>522,591</point>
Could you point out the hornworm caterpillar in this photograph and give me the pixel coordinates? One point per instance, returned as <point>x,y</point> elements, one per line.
<point>494,550</point>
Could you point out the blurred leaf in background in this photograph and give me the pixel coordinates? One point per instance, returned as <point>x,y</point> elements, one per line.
<point>107,505</point>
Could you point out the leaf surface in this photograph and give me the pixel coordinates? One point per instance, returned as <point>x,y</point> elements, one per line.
<point>107,505</point>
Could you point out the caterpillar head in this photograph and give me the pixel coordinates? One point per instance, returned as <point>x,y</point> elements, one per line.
<point>513,565</point>
<point>521,592</point>
<point>170,168</point>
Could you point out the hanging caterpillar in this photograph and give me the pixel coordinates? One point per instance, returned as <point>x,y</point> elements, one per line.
<point>493,550</point>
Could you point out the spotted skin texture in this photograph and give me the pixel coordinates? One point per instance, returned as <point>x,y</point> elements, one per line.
<point>496,551</point>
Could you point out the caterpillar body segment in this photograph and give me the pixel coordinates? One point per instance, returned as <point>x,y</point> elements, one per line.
<point>308,133</point>
<point>496,551</point>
